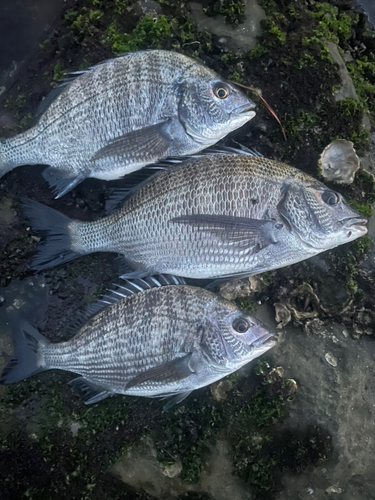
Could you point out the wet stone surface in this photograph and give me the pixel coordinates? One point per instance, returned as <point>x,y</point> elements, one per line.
<point>297,425</point>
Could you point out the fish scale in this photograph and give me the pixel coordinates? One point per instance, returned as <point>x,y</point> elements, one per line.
<point>160,340</point>
<point>124,114</point>
<point>147,338</point>
<point>212,216</point>
<point>218,184</point>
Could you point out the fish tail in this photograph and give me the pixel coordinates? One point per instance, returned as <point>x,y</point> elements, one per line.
<point>28,352</point>
<point>57,232</point>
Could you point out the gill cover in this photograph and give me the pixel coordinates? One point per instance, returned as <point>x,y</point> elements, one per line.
<point>295,209</point>
<point>199,113</point>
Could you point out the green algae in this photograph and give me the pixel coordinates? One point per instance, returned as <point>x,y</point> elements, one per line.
<point>332,25</point>
<point>233,11</point>
<point>58,72</point>
<point>363,209</point>
<point>149,33</point>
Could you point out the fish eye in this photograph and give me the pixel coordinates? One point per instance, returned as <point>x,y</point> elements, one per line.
<point>330,198</point>
<point>241,325</point>
<point>221,91</point>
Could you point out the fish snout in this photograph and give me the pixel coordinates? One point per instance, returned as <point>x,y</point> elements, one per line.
<point>357,223</point>
<point>245,109</point>
<point>265,341</point>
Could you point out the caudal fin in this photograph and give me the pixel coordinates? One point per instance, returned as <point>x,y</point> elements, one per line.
<point>53,227</point>
<point>27,359</point>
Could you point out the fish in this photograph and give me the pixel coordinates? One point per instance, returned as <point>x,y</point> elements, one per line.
<point>156,337</point>
<point>125,113</point>
<point>219,215</point>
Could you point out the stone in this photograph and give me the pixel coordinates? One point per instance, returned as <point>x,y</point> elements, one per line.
<point>333,489</point>
<point>140,468</point>
<point>241,37</point>
<point>347,88</point>
<point>173,470</point>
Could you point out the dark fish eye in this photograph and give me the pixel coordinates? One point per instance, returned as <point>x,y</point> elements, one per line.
<point>221,92</point>
<point>330,198</point>
<point>241,325</point>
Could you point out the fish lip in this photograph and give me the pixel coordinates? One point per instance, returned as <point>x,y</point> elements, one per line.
<point>265,340</point>
<point>356,222</point>
<point>245,109</point>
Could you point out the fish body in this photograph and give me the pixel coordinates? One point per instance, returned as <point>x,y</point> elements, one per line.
<point>124,114</point>
<point>218,215</point>
<point>162,341</point>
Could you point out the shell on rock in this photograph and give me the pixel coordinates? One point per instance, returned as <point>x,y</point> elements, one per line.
<point>339,162</point>
<point>282,315</point>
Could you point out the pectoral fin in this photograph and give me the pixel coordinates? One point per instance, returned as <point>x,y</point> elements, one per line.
<point>172,371</point>
<point>149,142</point>
<point>239,232</point>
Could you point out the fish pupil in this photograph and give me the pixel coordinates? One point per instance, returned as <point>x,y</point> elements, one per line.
<point>241,325</point>
<point>330,198</point>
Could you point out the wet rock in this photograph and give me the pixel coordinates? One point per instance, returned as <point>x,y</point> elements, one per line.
<point>7,214</point>
<point>347,88</point>
<point>141,469</point>
<point>242,288</point>
<point>173,470</point>
<point>339,162</point>
<point>368,160</point>
<point>236,289</point>
<point>333,489</point>
<point>143,7</point>
<point>241,37</point>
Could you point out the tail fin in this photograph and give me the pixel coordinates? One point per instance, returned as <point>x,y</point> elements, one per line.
<point>27,360</point>
<point>53,227</point>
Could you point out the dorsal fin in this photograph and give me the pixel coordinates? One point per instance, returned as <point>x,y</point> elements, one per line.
<point>125,289</point>
<point>240,150</point>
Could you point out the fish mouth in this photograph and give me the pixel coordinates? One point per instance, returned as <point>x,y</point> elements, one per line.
<point>246,109</point>
<point>268,340</point>
<point>357,223</point>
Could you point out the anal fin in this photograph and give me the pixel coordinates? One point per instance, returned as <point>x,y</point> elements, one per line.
<point>92,393</point>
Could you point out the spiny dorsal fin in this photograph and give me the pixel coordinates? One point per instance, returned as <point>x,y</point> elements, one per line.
<point>121,291</point>
<point>130,287</point>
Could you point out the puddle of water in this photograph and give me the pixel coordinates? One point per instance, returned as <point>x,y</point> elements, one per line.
<point>23,25</point>
<point>242,36</point>
<point>369,7</point>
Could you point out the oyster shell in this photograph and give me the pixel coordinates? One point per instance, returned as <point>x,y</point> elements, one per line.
<point>339,162</point>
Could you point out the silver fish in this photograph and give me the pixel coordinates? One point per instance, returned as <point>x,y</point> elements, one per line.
<point>157,342</point>
<point>218,215</point>
<point>124,114</point>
